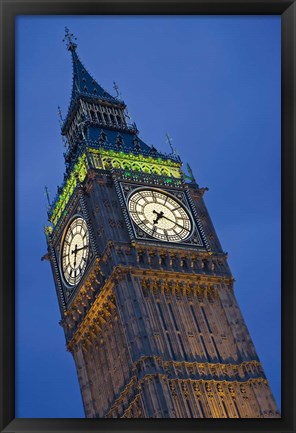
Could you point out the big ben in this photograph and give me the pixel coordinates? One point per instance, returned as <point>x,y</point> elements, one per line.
<point>145,292</point>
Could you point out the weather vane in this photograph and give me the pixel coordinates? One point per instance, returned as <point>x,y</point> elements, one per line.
<point>69,39</point>
<point>47,195</point>
<point>169,141</point>
<point>116,88</point>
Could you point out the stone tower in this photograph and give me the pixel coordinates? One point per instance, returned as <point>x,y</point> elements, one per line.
<point>145,292</point>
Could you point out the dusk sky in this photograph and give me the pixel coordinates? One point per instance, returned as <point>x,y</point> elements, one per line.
<point>213,84</point>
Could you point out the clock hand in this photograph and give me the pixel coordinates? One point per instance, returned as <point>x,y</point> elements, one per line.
<point>75,250</point>
<point>78,249</point>
<point>82,248</point>
<point>159,215</point>
<point>179,225</point>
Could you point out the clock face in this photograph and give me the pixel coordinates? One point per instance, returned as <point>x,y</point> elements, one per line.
<point>160,215</point>
<point>75,251</point>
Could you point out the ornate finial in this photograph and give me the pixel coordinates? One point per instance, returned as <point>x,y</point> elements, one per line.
<point>65,142</point>
<point>47,195</point>
<point>136,143</point>
<point>60,113</point>
<point>61,120</point>
<point>119,140</point>
<point>128,115</point>
<point>69,39</point>
<point>190,174</point>
<point>190,171</point>
<point>134,125</point>
<point>116,88</point>
<point>102,137</point>
<point>169,141</point>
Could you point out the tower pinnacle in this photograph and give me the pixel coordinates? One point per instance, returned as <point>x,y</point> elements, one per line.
<point>84,85</point>
<point>69,39</point>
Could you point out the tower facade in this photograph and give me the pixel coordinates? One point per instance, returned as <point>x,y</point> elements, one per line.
<point>145,292</point>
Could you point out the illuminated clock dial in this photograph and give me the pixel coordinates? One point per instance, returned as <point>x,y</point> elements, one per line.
<point>160,215</point>
<point>75,251</point>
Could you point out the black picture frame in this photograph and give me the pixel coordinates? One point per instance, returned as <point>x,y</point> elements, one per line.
<point>9,10</point>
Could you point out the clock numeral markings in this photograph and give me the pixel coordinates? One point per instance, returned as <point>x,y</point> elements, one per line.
<point>165,232</point>
<point>177,234</point>
<point>75,251</point>
<point>172,220</point>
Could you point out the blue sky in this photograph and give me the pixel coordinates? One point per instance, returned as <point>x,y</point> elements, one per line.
<point>212,83</point>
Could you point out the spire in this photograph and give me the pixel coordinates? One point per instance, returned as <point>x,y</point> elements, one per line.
<point>191,176</point>
<point>96,117</point>
<point>47,196</point>
<point>83,83</point>
<point>69,39</point>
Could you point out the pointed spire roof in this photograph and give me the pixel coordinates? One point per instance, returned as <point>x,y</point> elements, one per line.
<point>83,83</point>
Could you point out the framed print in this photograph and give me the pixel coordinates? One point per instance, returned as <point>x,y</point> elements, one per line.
<point>147,223</point>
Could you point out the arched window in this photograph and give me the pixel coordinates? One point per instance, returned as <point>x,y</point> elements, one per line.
<point>99,114</point>
<point>165,172</point>
<point>116,163</point>
<point>85,131</point>
<point>93,115</point>
<point>126,165</point>
<point>136,167</point>
<point>155,170</point>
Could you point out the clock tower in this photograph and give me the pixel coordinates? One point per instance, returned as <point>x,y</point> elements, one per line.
<point>145,292</point>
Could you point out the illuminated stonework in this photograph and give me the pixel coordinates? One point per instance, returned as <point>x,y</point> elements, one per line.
<point>108,159</point>
<point>79,172</point>
<point>112,159</point>
<point>145,291</point>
